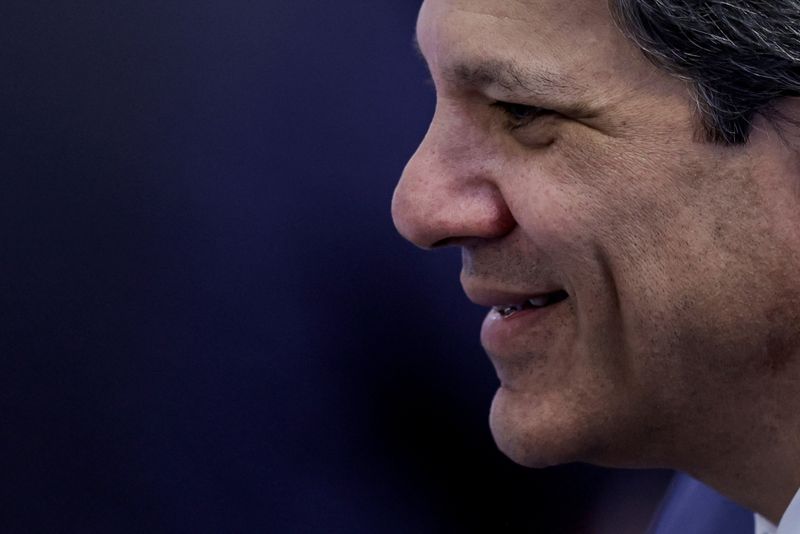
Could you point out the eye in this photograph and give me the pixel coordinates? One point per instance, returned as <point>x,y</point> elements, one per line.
<point>520,115</point>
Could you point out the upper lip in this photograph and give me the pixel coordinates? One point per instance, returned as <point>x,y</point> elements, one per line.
<point>487,295</point>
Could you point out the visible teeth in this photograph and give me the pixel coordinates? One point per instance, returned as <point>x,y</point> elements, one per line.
<point>538,302</point>
<point>507,310</point>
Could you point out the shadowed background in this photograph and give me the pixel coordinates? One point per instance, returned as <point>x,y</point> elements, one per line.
<point>209,323</point>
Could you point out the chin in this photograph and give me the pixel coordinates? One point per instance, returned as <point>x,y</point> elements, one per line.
<point>538,433</point>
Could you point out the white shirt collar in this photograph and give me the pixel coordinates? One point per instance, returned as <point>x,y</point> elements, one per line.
<point>764,526</point>
<point>790,522</point>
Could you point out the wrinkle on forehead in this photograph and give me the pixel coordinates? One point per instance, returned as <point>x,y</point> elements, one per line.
<point>537,28</point>
<point>555,14</point>
<point>576,39</point>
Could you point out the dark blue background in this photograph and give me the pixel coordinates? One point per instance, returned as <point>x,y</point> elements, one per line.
<point>208,321</point>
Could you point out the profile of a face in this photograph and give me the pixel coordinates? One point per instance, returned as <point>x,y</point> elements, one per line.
<point>636,274</point>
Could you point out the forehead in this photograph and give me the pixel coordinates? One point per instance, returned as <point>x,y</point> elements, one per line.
<point>574,40</point>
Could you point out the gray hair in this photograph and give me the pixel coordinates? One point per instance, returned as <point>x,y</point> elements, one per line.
<point>739,55</point>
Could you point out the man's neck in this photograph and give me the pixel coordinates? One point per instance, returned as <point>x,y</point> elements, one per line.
<point>754,459</point>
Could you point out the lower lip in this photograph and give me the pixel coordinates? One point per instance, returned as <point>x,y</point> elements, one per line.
<point>498,332</point>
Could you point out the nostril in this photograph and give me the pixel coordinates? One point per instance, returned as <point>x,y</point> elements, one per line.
<point>447,242</point>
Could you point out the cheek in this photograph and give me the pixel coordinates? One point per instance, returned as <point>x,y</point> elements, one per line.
<point>586,192</point>
<point>672,248</point>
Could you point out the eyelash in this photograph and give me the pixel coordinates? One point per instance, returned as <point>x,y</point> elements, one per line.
<point>520,115</point>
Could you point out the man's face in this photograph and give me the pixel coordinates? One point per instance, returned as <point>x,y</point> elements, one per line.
<point>673,251</point>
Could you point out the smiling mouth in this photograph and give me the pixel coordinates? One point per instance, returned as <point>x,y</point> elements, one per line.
<point>542,301</point>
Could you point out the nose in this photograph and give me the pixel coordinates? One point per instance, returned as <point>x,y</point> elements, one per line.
<point>448,193</point>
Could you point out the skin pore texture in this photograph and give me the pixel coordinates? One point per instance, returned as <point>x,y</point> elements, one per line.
<point>678,345</point>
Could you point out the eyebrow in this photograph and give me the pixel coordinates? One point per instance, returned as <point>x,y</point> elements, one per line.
<point>507,74</point>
